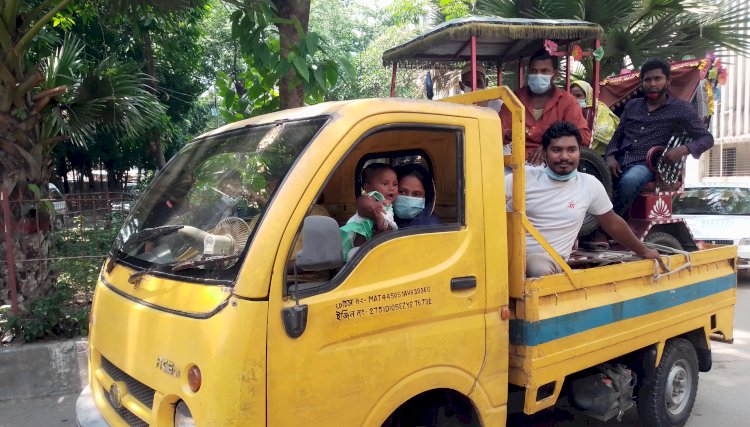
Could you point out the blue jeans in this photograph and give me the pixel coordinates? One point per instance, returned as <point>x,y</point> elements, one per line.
<point>629,186</point>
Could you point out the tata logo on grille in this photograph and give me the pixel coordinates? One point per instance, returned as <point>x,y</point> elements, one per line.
<point>115,396</point>
<point>167,366</point>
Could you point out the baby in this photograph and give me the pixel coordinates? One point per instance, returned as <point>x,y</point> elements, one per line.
<point>379,181</point>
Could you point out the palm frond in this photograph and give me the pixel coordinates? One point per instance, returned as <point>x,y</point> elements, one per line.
<point>63,67</point>
<point>503,8</point>
<point>110,98</point>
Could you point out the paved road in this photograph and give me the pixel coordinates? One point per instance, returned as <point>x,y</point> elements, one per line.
<point>46,412</point>
<point>721,398</point>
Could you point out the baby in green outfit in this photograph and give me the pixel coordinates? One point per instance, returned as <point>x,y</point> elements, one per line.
<point>381,183</point>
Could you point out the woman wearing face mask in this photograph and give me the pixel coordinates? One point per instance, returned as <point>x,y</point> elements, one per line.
<point>415,202</point>
<point>545,104</point>
<point>605,122</point>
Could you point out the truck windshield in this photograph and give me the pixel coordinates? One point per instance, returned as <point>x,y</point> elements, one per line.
<point>713,201</point>
<point>198,214</point>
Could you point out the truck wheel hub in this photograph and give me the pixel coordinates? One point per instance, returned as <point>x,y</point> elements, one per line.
<point>677,388</point>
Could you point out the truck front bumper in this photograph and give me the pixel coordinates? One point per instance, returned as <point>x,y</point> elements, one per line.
<point>87,415</point>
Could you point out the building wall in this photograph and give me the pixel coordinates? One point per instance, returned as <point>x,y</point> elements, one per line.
<point>729,159</point>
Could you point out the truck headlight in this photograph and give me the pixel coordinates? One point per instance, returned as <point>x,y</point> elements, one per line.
<point>182,416</point>
<point>744,242</point>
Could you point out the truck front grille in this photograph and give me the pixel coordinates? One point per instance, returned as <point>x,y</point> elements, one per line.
<point>130,418</point>
<point>137,389</point>
<point>718,241</point>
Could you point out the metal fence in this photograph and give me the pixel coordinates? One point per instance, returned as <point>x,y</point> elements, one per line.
<point>80,226</point>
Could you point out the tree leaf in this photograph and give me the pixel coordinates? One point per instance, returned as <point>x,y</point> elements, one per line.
<point>320,78</point>
<point>311,41</point>
<point>332,74</point>
<point>301,67</point>
<point>229,97</point>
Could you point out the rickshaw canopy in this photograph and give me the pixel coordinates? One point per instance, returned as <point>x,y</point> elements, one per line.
<point>498,41</point>
<point>686,75</point>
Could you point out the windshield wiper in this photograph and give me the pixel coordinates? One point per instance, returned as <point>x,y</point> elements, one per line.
<point>148,234</point>
<point>135,278</point>
<point>204,261</point>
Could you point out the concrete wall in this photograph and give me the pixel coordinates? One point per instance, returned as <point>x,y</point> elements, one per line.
<point>45,369</point>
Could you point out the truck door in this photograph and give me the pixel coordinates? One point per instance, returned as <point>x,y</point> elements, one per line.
<point>406,314</point>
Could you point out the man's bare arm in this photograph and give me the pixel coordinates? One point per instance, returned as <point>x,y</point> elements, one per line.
<point>618,229</point>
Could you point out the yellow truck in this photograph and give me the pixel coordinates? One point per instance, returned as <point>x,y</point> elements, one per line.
<point>226,300</point>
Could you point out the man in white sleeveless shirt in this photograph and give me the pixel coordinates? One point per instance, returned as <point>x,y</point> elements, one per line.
<point>558,198</point>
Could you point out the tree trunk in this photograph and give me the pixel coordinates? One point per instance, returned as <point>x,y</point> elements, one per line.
<point>154,136</point>
<point>291,90</point>
<point>21,165</point>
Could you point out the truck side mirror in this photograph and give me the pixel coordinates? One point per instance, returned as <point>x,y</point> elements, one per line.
<point>321,245</point>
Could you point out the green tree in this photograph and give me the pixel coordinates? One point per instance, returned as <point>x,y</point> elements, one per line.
<point>636,30</point>
<point>283,64</point>
<point>164,29</point>
<point>46,100</point>
<point>181,75</point>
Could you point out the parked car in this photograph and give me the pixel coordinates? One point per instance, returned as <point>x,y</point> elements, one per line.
<point>61,206</point>
<point>126,201</point>
<point>718,214</point>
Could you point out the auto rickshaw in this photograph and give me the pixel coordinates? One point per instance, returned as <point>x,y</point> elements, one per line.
<point>692,80</point>
<point>505,44</point>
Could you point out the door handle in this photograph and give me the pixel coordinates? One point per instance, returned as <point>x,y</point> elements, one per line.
<point>461,283</point>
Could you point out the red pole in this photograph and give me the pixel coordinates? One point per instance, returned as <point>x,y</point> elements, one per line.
<point>473,63</point>
<point>9,256</point>
<point>520,73</point>
<point>393,80</point>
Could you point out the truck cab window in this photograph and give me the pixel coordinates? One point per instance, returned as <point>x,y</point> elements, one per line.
<point>395,183</point>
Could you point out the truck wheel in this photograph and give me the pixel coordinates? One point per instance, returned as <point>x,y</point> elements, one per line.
<point>668,392</point>
<point>664,239</point>
<point>593,164</point>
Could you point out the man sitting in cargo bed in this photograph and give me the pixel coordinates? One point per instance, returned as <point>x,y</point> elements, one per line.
<point>558,198</point>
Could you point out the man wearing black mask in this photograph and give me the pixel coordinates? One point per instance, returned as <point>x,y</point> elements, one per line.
<point>649,122</point>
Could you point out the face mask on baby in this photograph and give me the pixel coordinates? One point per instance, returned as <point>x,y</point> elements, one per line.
<point>540,83</point>
<point>582,103</point>
<point>406,207</point>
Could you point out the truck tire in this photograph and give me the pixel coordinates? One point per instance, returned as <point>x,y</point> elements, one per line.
<point>593,164</point>
<point>664,239</point>
<point>668,392</point>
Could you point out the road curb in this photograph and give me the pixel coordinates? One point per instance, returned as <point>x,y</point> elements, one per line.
<point>43,369</point>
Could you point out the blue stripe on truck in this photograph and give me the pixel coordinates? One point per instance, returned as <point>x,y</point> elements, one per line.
<point>523,332</point>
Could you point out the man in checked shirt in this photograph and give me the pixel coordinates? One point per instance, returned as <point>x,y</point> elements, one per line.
<point>649,122</point>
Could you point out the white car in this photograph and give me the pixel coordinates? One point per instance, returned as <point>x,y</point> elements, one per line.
<point>61,206</point>
<point>718,214</point>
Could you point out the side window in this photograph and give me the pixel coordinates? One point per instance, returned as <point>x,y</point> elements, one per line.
<point>395,182</point>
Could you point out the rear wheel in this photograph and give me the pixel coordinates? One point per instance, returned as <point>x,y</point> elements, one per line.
<point>593,164</point>
<point>663,239</point>
<point>667,395</point>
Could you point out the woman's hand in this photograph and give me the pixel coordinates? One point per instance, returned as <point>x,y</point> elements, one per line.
<point>368,207</point>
